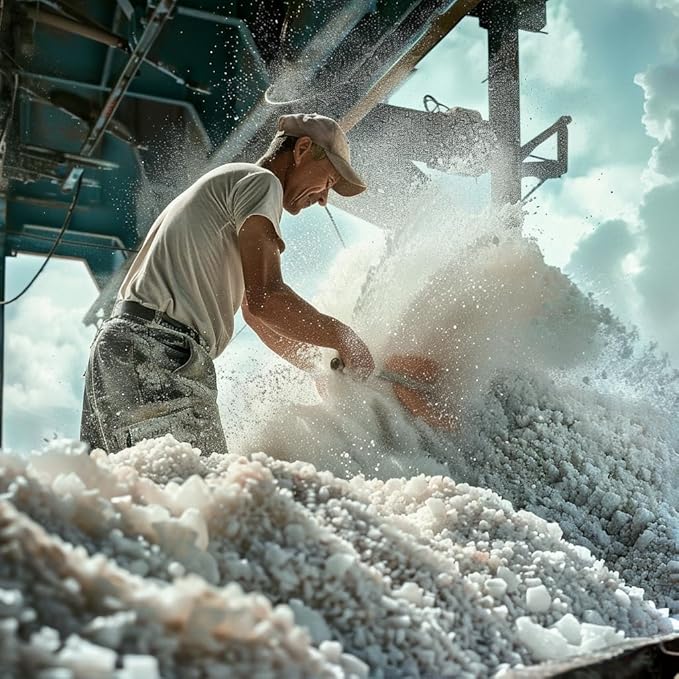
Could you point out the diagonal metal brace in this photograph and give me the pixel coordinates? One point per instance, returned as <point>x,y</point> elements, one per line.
<point>153,28</point>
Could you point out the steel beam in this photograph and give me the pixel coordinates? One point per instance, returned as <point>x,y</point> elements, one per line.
<point>153,28</point>
<point>437,30</point>
<point>3,254</point>
<point>64,82</point>
<point>2,327</point>
<point>504,100</point>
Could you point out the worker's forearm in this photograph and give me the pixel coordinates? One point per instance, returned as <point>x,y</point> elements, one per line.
<point>285,312</point>
<point>299,354</point>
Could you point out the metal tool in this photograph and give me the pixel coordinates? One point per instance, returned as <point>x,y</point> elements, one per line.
<point>392,378</point>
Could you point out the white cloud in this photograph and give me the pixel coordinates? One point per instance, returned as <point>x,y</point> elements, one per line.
<point>558,58</point>
<point>672,5</point>
<point>600,264</point>
<point>646,292</point>
<point>569,212</point>
<point>46,353</point>
<point>661,95</point>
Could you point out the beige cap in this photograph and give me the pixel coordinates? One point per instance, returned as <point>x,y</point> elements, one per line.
<point>327,133</point>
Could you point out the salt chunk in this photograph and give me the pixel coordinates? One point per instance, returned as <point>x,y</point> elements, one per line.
<point>176,569</point>
<point>410,592</point>
<point>596,637</point>
<point>622,598</point>
<point>554,531</point>
<point>85,657</point>
<point>193,493</point>
<point>312,620</point>
<point>416,486</point>
<point>353,666</point>
<point>338,564</point>
<point>610,501</point>
<point>509,577</point>
<point>331,650</point>
<point>544,644</point>
<point>294,533</point>
<point>569,627</point>
<point>193,519</point>
<point>496,587</point>
<point>68,484</point>
<point>47,640</point>
<point>140,667</point>
<point>437,507</point>
<point>538,599</point>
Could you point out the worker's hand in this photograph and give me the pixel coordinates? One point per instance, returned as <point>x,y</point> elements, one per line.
<point>355,355</point>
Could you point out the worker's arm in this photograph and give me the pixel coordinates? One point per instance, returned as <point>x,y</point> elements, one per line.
<point>277,306</point>
<point>299,354</point>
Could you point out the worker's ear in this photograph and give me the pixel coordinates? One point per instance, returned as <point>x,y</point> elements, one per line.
<point>302,148</point>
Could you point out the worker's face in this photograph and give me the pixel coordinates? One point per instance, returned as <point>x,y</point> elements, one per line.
<point>308,180</point>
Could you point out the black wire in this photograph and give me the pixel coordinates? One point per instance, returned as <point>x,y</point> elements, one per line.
<point>4,126</point>
<point>334,223</point>
<point>64,226</point>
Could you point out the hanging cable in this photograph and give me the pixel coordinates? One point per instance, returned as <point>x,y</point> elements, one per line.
<point>4,126</point>
<point>54,247</point>
<point>334,223</point>
<point>436,106</point>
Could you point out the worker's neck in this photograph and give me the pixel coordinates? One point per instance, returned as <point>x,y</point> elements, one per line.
<point>279,165</point>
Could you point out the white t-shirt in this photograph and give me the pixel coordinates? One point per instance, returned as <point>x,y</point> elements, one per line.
<point>189,265</point>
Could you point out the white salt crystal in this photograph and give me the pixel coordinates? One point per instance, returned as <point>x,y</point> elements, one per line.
<point>410,592</point>
<point>437,507</point>
<point>312,620</point>
<point>416,486</point>
<point>544,644</point>
<point>141,666</point>
<point>338,564</point>
<point>332,650</point>
<point>509,577</point>
<point>353,666</point>
<point>569,627</point>
<point>538,599</point>
<point>595,637</point>
<point>83,656</point>
<point>496,587</point>
<point>623,598</point>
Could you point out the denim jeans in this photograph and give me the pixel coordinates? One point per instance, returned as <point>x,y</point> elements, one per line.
<point>145,380</point>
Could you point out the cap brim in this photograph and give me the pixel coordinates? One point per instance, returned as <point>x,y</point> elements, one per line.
<point>349,184</point>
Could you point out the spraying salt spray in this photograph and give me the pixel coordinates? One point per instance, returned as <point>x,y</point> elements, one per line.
<point>554,404</point>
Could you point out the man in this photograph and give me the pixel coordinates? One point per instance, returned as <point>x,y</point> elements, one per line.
<point>215,248</point>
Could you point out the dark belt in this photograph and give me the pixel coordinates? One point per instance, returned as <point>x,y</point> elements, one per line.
<point>129,308</point>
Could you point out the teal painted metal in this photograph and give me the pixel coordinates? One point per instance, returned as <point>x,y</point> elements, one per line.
<point>203,75</point>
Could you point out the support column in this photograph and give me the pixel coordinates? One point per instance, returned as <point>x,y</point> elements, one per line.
<point>504,100</point>
<point>2,319</point>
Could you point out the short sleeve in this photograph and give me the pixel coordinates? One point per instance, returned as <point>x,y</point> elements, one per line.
<point>259,193</point>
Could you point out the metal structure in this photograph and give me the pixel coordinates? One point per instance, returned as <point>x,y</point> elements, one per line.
<point>132,99</point>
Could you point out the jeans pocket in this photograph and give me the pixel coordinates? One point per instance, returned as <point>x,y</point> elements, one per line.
<point>181,423</point>
<point>184,365</point>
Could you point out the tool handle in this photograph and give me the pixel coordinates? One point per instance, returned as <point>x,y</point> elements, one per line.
<point>336,364</point>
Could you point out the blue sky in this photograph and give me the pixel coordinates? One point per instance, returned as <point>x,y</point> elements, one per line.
<point>611,223</point>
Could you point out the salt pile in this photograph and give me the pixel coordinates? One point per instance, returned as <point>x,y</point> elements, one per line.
<point>564,412</point>
<point>157,562</point>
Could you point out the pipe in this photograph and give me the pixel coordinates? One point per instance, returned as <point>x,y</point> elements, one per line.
<point>64,24</point>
